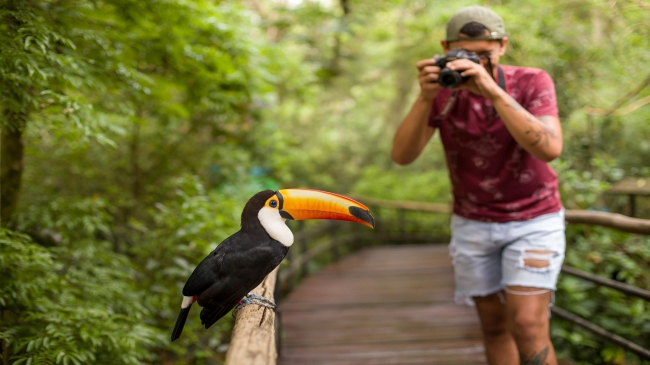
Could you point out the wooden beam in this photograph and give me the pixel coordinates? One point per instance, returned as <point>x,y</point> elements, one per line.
<point>623,287</point>
<point>605,219</point>
<point>611,220</point>
<point>253,337</point>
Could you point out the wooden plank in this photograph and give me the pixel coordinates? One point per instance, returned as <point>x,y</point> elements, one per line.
<point>383,305</point>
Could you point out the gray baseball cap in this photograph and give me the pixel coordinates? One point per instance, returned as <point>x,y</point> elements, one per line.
<point>479,14</point>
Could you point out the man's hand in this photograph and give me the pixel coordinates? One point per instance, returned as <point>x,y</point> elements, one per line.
<point>480,81</point>
<point>428,78</point>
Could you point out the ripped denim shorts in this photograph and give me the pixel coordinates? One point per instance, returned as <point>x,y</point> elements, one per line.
<point>488,257</point>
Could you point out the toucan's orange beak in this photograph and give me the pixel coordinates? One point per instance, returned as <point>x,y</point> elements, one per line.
<point>301,204</point>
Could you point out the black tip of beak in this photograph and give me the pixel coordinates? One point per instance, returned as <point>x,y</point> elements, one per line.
<point>362,214</point>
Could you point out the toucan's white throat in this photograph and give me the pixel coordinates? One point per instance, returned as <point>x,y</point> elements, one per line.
<point>275,226</point>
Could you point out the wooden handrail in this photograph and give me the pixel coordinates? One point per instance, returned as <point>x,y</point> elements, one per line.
<point>611,220</point>
<point>253,337</point>
<point>605,219</point>
<point>622,287</point>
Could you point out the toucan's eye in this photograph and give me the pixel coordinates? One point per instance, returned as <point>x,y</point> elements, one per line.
<point>273,203</point>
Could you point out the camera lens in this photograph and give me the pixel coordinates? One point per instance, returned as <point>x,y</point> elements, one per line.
<point>449,79</point>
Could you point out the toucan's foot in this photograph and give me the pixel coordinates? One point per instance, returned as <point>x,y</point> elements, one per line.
<point>251,298</point>
<point>260,300</point>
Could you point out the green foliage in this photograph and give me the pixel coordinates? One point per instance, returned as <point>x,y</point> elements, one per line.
<point>181,233</point>
<point>70,307</point>
<point>614,255</point>
<point>411,185</point>
<point>607,253</point>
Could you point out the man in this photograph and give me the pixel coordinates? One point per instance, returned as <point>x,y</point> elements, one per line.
<point>508,239</point>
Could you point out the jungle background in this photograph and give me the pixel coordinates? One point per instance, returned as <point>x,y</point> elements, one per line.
<point>133,132</point>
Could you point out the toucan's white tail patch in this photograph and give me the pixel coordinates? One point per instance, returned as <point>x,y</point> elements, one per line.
<point>187,302</point>
<point>275,225</point>
<point>182,317</point>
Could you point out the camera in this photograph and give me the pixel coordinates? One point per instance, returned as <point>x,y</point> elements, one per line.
<point>451,79</point>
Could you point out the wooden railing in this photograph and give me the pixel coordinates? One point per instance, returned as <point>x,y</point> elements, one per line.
<point>255,338</point>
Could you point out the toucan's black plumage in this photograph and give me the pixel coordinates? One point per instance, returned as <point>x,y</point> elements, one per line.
<point>242,261</point>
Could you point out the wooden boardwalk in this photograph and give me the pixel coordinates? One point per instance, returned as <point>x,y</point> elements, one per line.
<point>382,305</point>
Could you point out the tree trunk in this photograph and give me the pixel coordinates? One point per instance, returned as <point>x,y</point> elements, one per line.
<point>11,164</point>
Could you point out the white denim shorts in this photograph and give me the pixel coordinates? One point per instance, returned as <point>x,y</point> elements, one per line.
<point>488,257</point>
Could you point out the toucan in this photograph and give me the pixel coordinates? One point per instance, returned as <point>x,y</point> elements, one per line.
<point>242,261</point>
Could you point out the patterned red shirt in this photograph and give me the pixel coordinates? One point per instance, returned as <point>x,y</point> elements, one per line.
<point>493,178</point>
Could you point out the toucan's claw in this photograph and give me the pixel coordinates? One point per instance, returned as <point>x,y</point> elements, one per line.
<point>258,299</point>
<point>252,298</point>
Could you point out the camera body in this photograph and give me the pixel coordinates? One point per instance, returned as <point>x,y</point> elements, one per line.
<point>451,79</point>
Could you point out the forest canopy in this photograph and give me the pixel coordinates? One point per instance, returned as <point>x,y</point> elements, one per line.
<point>133,131</point>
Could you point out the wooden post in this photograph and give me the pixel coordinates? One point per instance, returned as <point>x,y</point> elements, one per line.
<point>253,337</point>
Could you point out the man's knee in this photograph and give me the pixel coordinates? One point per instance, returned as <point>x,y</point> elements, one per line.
<point>528,312</point>
<point>528,325</point>
<point>525,324</point>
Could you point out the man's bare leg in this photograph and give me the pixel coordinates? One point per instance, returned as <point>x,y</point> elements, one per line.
<point>500,346</point>
<point>528,322</point>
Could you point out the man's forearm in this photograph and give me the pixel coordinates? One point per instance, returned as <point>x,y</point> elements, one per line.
<point>540,136</point>
<point>413,133</point>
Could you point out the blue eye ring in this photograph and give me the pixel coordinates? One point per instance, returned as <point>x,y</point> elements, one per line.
<point>273,203</point>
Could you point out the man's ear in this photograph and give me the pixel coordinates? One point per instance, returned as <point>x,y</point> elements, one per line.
<point>504,46</point>
<point>445,46</point>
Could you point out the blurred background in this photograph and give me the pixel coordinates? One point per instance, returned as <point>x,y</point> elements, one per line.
<point>134,131</point>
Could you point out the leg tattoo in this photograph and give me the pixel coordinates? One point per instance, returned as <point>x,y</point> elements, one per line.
<point>538,358</point>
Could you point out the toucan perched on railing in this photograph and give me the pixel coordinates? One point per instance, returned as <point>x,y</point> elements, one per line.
<point>242,261</point>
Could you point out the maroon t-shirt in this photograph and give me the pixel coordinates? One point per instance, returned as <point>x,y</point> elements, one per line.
<point>493,178</point>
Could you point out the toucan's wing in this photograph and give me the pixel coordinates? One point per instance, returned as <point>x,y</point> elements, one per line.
<point>242,271</point>
<point>208,270</point>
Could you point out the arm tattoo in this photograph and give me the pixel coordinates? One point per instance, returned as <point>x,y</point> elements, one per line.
<point>540,128</point>
<point>543,132</point>
<point>535,358</point>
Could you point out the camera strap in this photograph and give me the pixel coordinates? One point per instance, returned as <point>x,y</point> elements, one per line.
<point>501,81</point>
